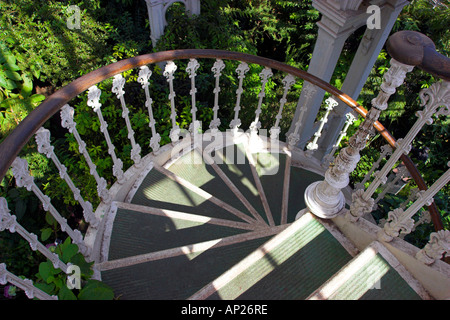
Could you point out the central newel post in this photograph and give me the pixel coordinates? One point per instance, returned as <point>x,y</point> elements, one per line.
<point>325,198</point>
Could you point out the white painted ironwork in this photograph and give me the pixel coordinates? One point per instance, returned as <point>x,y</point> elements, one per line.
<point>308,92</point>
<point>436,101</point>
<point>288,81</point>
<point>94,101</point>
<point>330,104</point>
<point>389,186</point>
<point>330,156</point>
<point>44,147</point>
<point>117,88</point>
<point>217,68</point>
<point>25,284</point>
<point>143,78</point>
<point>400,220</point>
<point>241,70</point>
<point>168,73</point>
<point>9,222</point>
<point>24,179</point>
<point>325,198</point>
<point>386,150</point>
<point>438,245</point>
<point>67,121</point>
<point>191,69</point>
<point>265,74</point>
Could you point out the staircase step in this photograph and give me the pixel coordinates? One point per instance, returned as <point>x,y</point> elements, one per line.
<point>157,190</point>
<point>299,180</point>
<point>375,274</point>
<point>270,168</point>
<point>177,274</point>
<point>289,266</point>
<point>233,161</point>
<point>138,229</point>
<point>193,168</point>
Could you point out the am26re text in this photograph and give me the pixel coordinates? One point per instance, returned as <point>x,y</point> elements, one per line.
<point>231,309</point>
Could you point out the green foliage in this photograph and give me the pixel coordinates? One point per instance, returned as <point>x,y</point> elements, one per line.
<point>54,281</point>
<point>37,33</point>
<point>16,98</point>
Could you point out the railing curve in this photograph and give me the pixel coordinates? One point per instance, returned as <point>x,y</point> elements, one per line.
<point>16,140</point>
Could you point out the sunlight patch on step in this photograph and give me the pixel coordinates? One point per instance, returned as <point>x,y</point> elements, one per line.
<point>348,280</point>
<point>267,163</point>
<point>193,251</point>
<point>180,196</point>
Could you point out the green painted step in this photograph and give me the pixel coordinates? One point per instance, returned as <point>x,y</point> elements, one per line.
<point>193,168</point>
<point>135,233</point>
<point>159,191</point>
<point>290,266</point>
<point>270,168</point>
<point>300,179</point>
<point>237,168</point>
<point>377,280</point>
<point>375,274</point>
<point>176,278</point>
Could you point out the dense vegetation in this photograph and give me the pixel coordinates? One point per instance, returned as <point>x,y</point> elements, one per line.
<point>39,54</point>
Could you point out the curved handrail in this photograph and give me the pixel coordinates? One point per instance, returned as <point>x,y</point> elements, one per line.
<point>16,140</point>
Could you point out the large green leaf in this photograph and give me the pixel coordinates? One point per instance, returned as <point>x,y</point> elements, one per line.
<point>96,290</point>
<point>27,86</point>
<point>66,294</point>
<point>5,82</point>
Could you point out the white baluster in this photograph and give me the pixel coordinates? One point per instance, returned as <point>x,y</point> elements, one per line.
<point>386,150</point>
<point>217,68</point>
<point>309,90</point>
<point>241,70</point>
<point>94,102</point>
<point>144,76</point>
<point>312,146</point>
<point>8,221</point>
<point>168,73</point>
<point>401,221</point>
<point>24,179</point>
<point>25,284</point>
<point>67,121</point>
<point>330,156</point>
<point>437,95</point>
<point>117,88</point>
<point>325,198</point>
<point>438,245</point>
<point>288,81</point>
<point>43,145</point>
<point>401,173</point>
<point>191,69</point>
<point>265,74</point>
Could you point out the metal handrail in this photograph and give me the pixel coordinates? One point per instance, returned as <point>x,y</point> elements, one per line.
<point>16,140</point>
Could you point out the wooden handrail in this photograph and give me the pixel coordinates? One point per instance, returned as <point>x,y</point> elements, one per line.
<point>16,140</point>
<point>416,49</point>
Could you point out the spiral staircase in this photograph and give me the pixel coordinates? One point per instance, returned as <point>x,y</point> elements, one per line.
<point>230,214</point>
<point>229,228</point>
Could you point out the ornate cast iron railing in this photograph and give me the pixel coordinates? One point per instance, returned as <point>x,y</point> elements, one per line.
<point>323,198</point>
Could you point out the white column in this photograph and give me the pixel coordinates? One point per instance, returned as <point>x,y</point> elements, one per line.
<point>325,198</point>
<point>338,22</point>
<point>192,7</point>
<point>365,57</point>
<point>156,19</point>
<point>157,12</point>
